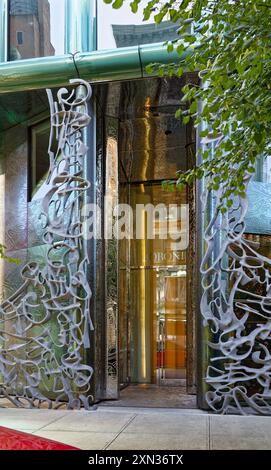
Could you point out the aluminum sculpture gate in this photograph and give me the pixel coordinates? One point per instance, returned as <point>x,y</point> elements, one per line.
<point>236,307</point>
<point>45,325</point>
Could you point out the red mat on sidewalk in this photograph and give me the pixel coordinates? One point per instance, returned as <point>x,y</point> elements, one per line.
<point>16,440</point>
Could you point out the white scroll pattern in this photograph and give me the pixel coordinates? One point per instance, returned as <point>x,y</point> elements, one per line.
<point>45,325</point>
<point>236,307</point>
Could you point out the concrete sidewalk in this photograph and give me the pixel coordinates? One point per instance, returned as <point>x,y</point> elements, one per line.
<point>142,428</point>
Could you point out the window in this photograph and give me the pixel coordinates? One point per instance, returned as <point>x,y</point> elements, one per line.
<point>20,38</point>
<point>39,159</point>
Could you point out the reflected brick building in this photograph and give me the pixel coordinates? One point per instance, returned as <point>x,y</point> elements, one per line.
<point>30,29</point>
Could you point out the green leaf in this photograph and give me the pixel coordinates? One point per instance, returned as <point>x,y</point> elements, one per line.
<point>159,17</point>
<point>134,6</point>
<point>204,133</point>
<point>180,49</point>
<point>193,108</point>
<point>150,68</point>
<point>178,113</point>
<point>251,169</point>
<point>161,72</point>
<point>117,4</point>
<point>258,137</point>
<point>180,71</point>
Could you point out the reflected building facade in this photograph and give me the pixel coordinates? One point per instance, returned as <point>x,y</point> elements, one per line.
<point>30,29</point>
<point>132,35</point>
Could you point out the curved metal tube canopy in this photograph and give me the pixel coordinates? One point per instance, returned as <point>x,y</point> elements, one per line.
<point>108,65</point>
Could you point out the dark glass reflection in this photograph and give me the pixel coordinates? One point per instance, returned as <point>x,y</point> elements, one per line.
<point>36,28</point>
<point>40,135</point>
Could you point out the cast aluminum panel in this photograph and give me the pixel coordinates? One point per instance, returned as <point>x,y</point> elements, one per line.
<point>236,307</point>
<point>45,325</point>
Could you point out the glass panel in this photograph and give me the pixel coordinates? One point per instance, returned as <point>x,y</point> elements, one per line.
<point>120,28</point>
<point>36,28</point>
<point>160,251</point>
<point>152,306</point>
<point>3,29</point>
<point>171,325</point>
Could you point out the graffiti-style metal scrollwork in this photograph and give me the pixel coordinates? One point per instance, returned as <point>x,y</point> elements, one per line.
<point>45,325</point>
<point>236,306</point>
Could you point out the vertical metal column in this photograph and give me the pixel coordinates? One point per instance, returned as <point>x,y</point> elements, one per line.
<point>80,36</point>
<point>111,261</point>
<point>202,332</point>
<point>92,275</point>
<point>3,30</point>
<point>80,26</point>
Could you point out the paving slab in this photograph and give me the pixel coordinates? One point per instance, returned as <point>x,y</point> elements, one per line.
<point>163,423</point>
<point>28,420</point>
<point>147,410</point>
<point>240,432</point>
<point>91,421</point>
<point>143,441</point>
<point>82,440</point>
<point>143,429</point>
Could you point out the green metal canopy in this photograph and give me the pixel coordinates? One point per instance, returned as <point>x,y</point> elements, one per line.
<point>100,66</point>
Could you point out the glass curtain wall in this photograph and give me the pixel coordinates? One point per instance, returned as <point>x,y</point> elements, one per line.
<point>3,30</point>
<point>43,28</point>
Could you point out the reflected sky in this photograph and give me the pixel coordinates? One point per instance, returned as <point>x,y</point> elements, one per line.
<point>57,8</point>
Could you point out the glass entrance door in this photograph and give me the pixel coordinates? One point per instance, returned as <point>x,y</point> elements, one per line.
<point>171,326</point>
<point>152,297</point>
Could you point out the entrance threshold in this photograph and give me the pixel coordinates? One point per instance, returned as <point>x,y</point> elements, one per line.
<point>153,396</point>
